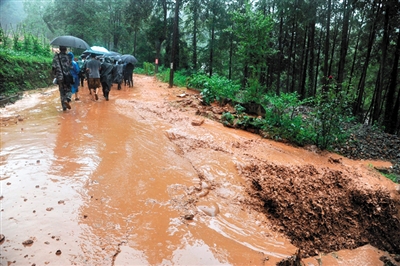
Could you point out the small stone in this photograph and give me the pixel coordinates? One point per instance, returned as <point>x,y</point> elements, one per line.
<point>198,122</point>
<point>58,252</point>
<point>49,209</point>
<point>27,242</point>
<point>188,216</point>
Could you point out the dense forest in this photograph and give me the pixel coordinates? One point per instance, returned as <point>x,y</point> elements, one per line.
<point>349,49</point>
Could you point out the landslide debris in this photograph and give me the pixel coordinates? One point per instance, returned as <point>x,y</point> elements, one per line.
<point>323,210</point>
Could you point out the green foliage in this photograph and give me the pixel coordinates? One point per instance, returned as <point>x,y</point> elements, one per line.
<point>328,120</point>
<point>180,78</point>
<point>20,71</point>
<point>148,68</point>
<point>252,30</point>
<point>253,92</point>
<point>280,108</point>
<point>281,120</point>
<point>214,88</point>
<point>227,119</point>
<point>391,176</point>
<point>163,74</point>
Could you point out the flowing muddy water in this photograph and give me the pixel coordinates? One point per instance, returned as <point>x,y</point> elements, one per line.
<point>141,180</point>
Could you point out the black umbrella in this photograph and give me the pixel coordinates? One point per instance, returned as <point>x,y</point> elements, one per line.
<point>70,41</point>
<point>127,58</point>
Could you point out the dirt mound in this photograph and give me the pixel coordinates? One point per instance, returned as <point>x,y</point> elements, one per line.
<point>323,210</point>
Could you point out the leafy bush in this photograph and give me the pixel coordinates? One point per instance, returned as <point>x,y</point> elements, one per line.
<point>148,69</point>
<point>281,120</point>
<point>329,119</point>
<point>253,92</point>
<point>214,88</point>
<point>20,71</point>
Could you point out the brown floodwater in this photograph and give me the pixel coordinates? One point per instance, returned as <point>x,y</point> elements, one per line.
<point>131,181</point>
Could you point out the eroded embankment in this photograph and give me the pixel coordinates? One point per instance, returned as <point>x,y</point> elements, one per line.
<point>323,210</point>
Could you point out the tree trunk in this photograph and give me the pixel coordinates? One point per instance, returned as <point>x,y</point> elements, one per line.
<point>318,63</point>
<point>379,88</point>
<point>354,58</point>
<point>361,84</point>
<point>335,34</point>
<point>311,39</point>
<point>212,45</point>
<point>344,42</point>
<point>194,40</point>
<point>326,49</point>
<point>280,54</point>
<point>304,60</point>
<point>391,114</point>
<point>174,45</point>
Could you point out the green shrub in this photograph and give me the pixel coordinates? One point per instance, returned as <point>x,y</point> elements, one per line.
<point>214,88</point>
<point>254,92</point>
<point>330,116</point>
<point>20,71</point>
<point>148,68</point>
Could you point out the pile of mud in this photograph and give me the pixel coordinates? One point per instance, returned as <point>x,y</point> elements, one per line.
<point>323,210</point>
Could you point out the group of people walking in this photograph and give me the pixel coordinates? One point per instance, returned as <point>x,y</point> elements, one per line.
<point>70,73</point>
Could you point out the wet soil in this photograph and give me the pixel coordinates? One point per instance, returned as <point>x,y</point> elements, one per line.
<point>143,179</point>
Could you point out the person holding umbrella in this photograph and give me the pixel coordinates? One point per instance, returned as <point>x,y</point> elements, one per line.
<point>61,66</point>
<point>106,76</point>
<point>118,73</point>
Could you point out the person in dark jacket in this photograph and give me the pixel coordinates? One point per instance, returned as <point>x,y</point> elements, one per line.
<point>128,72</point>
<point>61,66</point>
<point>106,76</point>
<point>118,73</point>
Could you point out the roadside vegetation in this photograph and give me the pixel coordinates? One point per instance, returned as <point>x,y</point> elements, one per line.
<point>25,63</point>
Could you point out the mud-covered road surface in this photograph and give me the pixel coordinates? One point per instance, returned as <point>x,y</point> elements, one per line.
<point>142,180</point>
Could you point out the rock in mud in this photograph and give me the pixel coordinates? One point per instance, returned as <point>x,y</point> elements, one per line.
<point>28,242</point>
<point>188,216</point>
<point>210,209</point>
<point>197,121</point>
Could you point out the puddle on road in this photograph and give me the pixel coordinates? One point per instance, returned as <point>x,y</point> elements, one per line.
<point>107,184</point>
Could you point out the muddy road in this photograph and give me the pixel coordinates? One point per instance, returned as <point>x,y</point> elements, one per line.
<point>142,180</point>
